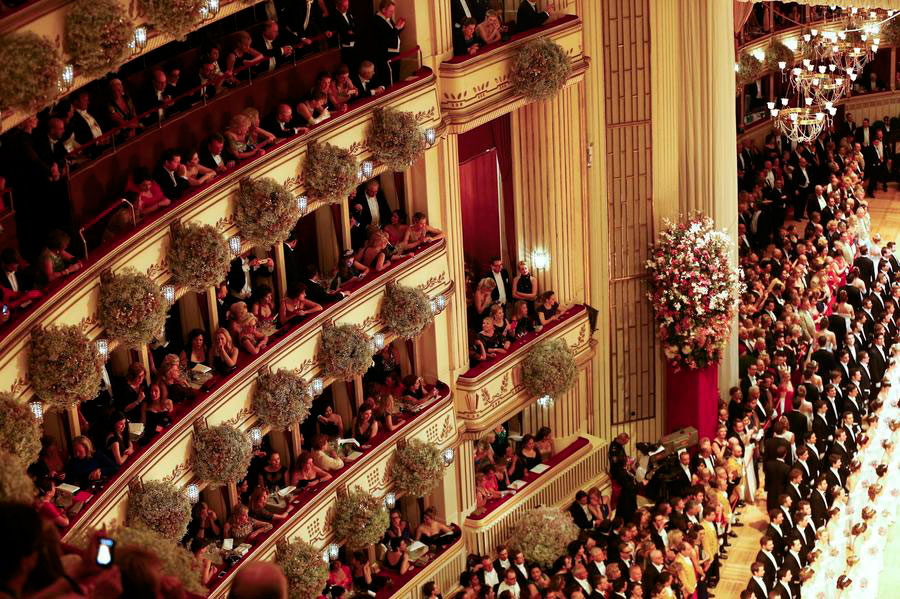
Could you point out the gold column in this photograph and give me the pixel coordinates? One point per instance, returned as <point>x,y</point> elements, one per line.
<point>464,469</point>
<point>326,238</point>
<point>693,122</point>
<point>550,206</point>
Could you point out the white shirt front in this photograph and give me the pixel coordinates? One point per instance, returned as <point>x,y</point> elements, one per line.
<point>96,131</point>
<point>391,23</point>
<point>501,288</point>
<point>491,578</point>
<point>308,14</point>
<point>13,281</point>
<point>372,201</point>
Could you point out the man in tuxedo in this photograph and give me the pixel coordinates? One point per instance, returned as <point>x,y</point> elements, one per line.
<point>777,532</point>
<point>282,124</point>
<point>17,286</point>
<point>833,475</point>
<point>658,533</point>
<point>207,80</point>
<point>211,155</point>
<point>802,464</point>
<point>796,489</point>
<point>597,564</point>
<point>155,96</point>
<point>878,166</point>
<point>488,574</point>
<point>84,126</point>
<point>865,265</point>
<point>820,502</point>
<point>466,9</point>
<point>865,134</point>
<point>50,145</point>
<point>770,562</point>
<point>529,17</point>
<point>654,569</point>
<point>757,584</point>
<point>386,40</point>
<point>776,471</point>
<point>276,48</point>
<point>300,19</point>
<point>316,292</point>
<point>824,357</point>
<point>344,25</point>
<point>364,80</point>
<point>582,516</point>
<point>170,175</point>
<point>503,291</point>
<point>370,205</point>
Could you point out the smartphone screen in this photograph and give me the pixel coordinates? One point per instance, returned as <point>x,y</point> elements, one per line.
<point>105,552</point>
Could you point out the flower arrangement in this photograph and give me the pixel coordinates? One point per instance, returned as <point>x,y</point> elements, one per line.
<point>20,431</point>
<point>329,172</point>
<point>543,534</point>
<point>406,311</point>
<point>15,484</point>
<point>346,351</point>
<point>175,17</point>
<point>395,138</point>
<point>748,68</point>
<point>96,35</point>
<point>417,468</point>
<point>64,366</point>
<point>198,256</point>
<point>549,369</point>
<point>31,69</point>
<point>160,506</point>
<point>221,454</point>
<point>359,519</point>
<point>132,307</point>
<point>694,288</point>
<point>265,211</point>
<point>281,398</point>
<point>778,52</point>
<point>303,567</point>
<point>540,69</point>
<point>890,32</point>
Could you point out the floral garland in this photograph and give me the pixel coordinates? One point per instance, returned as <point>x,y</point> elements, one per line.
<point>329,172</point>
<point>132,308</point>
<point>281,398</point>
<point>265,211</point>
<point>748,69</point>
<point>359,519</point>
<point>160,506</point>
<point>221,454</point>
<point>31,70</point>
<point>303,567</point>
<point>890,32</point>
<point>549,369</point>
<point>406,311</point>
<point>540,69</point>
<point>20,431</point>
<point>694,289</point>
<point>96,35</point>
<point>417,468</point>
<point>778,52</point>
<point>64,366</point>
<point>395,138</point>
<point>15,484</point>
<point>198,256</point>
<point>175,17</point>
<point>543,534</point>
<point>346,351</point>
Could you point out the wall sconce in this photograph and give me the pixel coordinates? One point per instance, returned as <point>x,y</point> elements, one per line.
<point>140,38</point>
<point>255,435</point>
<point>103,348</point>
<point>315,387</point>
<point>440,302</point>
<point>66,78</point>
<point>37,410</point>
<point>430,136</point>
<point>213,6</point>
<point>193,493</point>
<point>367,169</point>
<point>168,292</point>
<point>333,550</point>
<point>204,12</point>
<point>325,556</point>
<point>378,341</point>
<point>545,401</point>
<point>781,65</point>
<point>234,244</point>
<point>448,455</point>
<point>302,204</point>
<point>390,500</point>
<point>737,67</point>
<point>540,259</point>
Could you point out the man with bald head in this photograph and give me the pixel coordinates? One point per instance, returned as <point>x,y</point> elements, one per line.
<point>259,580</point>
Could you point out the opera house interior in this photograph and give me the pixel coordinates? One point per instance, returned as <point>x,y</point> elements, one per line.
<point>464,299</point>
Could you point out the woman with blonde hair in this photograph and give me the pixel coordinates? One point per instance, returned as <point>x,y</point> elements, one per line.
<point>252,339</point>
<point>237,139</point>
<point>241,54</point>
<point>223,354</point>
<point>481,302</point>
<point>241,527</point>
<point>256,132</point>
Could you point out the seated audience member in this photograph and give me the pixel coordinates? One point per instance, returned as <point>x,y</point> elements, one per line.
<point>341,91</point>
<point>273,475</point>
<point>211,156</point>
<point>173,385</point>
<point>396,229</point>
<point>120,109</point>
<point>398,528</point>
<point>549,308</point>
<point>155,100</point>
<point>483,493</point>
<point>434,532</point>
<point>45,505</point>
<point>241,57</point>
<point>274,47</point>
<point>84,125</point>
<point>171,175</point>
<point>348,269</point>
<point>54,261</point>
<point>323,84</point>
<point>397,556</point>
<point>50,463</point>
<point>243,528</point>
<point>156,413</point>
<point>330,423</point>
<point>204,524</point>
<point>258,509</point>
<point>223,354</point>
<point>465,42</point>
<point>324,455</point>
<point>150,196</point>
<point>545,442</point>
<point>365,428</point>
<point>118,442</point>
<point>196,173</point>
<point>87,467</point>
<point>252,339</point>
<point>520,322</point>
<point>414,391</point>
<point>493,341</point>
<point>491,30</point>
<point>295,305</point>
<point>258,137</point>
<point>364,80</point>
<point>281,123</point>
<point>306,473</point>
<point>374,254</point>
<point>529,456</point>
<point>420,232</point>
<point>207,81</point>
<point>314,110</point>
<point>16,287</point>
<point>315,290</point>
<point>130,393</point>
<point>529,17</point>
<point>197,351</point>
<point>237,139</point>
<point>262,306</point>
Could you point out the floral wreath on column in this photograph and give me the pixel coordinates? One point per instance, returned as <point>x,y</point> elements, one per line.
<point>694,289</point>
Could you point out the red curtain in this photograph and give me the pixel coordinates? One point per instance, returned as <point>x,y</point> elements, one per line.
<point>480,209</point>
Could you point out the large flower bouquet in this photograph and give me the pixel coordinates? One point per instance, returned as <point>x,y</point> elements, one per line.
<point>406,311</point>
<point>417,468</point>
<point>303,567</point>
<point>31,70</point>
<point>395,138</point>
<point>540,69</point>
<point>359,519</point>
<point>15,484</point>
<point>198,256</point>
<point>132,307</point>
<point>160,506</point>
<point>549,369</point>
<point>329,172</point>
<point>346,351</point>
<point>694,289</point>
<point>20,431</point>
<point>543,534</point>
<point>64,366</point>
<point>281,398</point>
<point>265,211</point>
<point>96,35</point>
<point>221,454</point>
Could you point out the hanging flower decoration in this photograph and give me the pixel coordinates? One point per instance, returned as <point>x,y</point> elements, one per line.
<point>777,52</point>
<point>417,468</point>
<point>694,289</point>
<point>96,35</point>
<point>748,68</point>
<point>15,484</point>
<point>20,431</point>
<point>540,69</point>
<point>159,506</point>
<point>395,138</point>
<point>549,369</point>
<point>543,534</point>
<point>175,17</point>
<point>346,351</point>
<point>406,311</point>
<point>64,366</point>
<point>221,454</point>
<point>265,211</point>
<point>329,172</point>
<point>132,307</point>
<point>281,398</point>
<point>29,78</point>
<point>303,567</point>
<point>198,256</point>
<point>359,519</point>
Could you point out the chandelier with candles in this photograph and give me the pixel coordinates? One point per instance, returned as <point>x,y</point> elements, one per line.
<point>831,60</point>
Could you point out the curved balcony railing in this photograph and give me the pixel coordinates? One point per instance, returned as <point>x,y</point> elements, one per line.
<point>294,347</point>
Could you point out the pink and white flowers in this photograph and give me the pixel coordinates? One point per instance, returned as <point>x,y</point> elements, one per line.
<point>694,289</point>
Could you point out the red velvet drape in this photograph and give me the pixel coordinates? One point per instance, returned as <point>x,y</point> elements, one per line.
<point>480,209</point>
